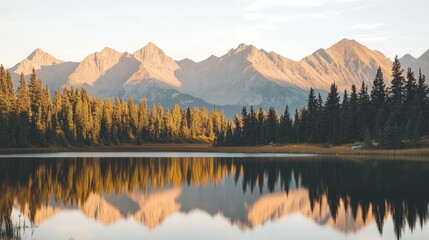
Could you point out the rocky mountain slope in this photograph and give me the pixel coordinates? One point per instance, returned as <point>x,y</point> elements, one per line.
<point>415,63</point>
<point>245,212</point>
<point>243,76</point>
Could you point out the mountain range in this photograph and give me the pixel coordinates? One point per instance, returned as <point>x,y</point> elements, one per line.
<point>244,211</point>
<point>245,75</point>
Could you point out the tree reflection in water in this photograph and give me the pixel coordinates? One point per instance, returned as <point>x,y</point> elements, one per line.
<point>366,188</point>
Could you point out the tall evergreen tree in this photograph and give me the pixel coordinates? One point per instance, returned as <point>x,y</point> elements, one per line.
<point>245,127</point>
<point>378,91</point>
<point>397,90</point>
<point>23,111</point>
<point>285,132</point>
<point>271,126</point>
<point>410,90</point>
<point>354,114</point>
<point>332,106</point>
<point>345,133</point>
<point>260,125</point>
<point>310,125</point>
<point>377,115</point>
<point>397,95</point>
<point>364,111</point>
<point>238,132</point>
<point>143,124</point>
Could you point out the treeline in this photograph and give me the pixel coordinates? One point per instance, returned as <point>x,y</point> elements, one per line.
<point>384,116</point>
<point>30,117</point>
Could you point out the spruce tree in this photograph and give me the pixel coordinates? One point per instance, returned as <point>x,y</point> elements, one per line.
<point>345,134</point>
<point>285,132</point>
<point>354,114</point>
<point>392,137</point>
<point>332,106</point>
<point>271,126</point>
<point>410,89</point>
<point>176,113</point>
<point>133,118</point>
<point>397,90</point>
<point>143,121</point>
<point>23,110</point>
<point>397,96</point>
<point>260,125</point>
<point>296,127</point>
<point>378,91</point>
<point>153,125</point>
<point>310,124</point>
<point>246,127</point>
<point>238,131</point>
<point>253,128</point>
<point>364,111</point>
<point>106,122</point>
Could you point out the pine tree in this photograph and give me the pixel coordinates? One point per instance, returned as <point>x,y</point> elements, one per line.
<point>238,132</point>
<point>419,129</point>
<point>364,111</point>
<point>422,90</point>
<point>97,115</point>
<point>253,128</point>
<point>345,134</point>
<point>68,121</point>
<point>354,114</point>
<point>397,96</point>
<point>177,117</point>
<point>397,87</point>
<point>7,105</point>
<point>378,91</point>
<point>188,118</point>
<point>106,122</point>
<point>391,137</point>
<point>143,124</point>
<point>332,106</point>
<point>319,133</point>
<point>23,111</point>
<point>245,127</point>
<point>285,127</point>
<point>378,100</point>
<point>6,101</point>
<point>310,124</point>
<point>260,126</point>
<point>133,118</point>
<point>297,127</point>
<point>410,89</point>
<point>185,132</point>
<point>271,125</point>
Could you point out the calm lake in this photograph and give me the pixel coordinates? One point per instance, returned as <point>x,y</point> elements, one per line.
<point>211,196</point>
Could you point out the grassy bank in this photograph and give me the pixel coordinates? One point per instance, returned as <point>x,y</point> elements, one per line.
<point>202,147</point>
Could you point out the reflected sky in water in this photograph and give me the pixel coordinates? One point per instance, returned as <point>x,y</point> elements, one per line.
<point>228,197</point>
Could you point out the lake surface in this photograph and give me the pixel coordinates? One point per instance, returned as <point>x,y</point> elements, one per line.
<point>211,196</point>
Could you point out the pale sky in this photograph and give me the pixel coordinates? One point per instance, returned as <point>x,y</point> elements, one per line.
<point>70,30</point>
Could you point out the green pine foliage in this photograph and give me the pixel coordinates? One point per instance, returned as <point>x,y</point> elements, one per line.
<point>31,117</point>
<point>389,117</point>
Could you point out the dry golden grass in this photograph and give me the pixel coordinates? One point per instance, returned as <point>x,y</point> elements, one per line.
<point>205,147</point>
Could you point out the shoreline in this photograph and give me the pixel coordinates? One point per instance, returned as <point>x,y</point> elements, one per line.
<point>203,147</point>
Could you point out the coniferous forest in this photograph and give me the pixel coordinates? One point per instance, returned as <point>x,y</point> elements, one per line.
<point>388,117</point>
<point>385,116</point>
<point>31,117</point>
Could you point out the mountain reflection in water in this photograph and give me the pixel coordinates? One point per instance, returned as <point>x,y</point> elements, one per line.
<point>346,195</point>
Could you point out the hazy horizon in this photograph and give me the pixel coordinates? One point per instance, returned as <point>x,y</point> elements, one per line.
<point>191,29</point>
